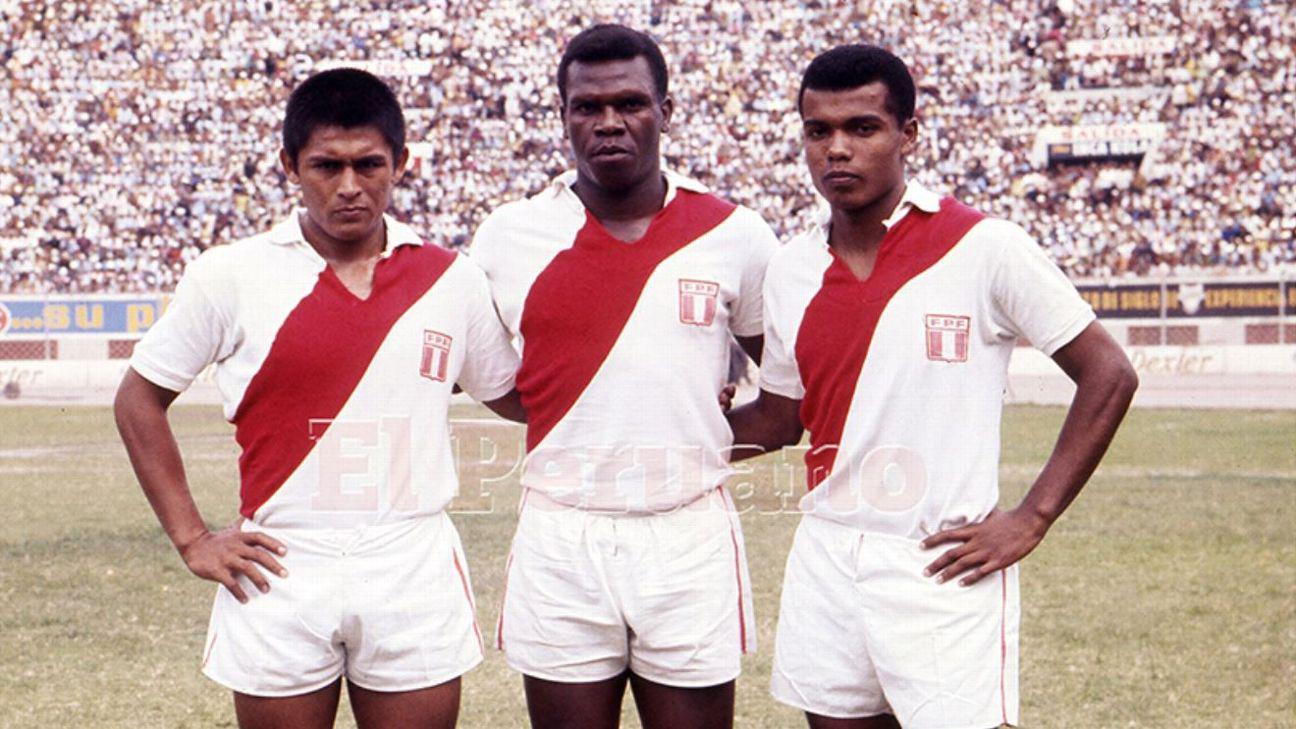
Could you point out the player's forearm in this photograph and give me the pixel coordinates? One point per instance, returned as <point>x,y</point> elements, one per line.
<point>763,425</point>
<point>1103,396</point>
<point>155,458</point>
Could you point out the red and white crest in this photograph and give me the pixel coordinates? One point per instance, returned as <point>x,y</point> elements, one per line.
<point>436,355</point>
<point>698,301</point>
<point>4,318</point>
<point>947,337</point>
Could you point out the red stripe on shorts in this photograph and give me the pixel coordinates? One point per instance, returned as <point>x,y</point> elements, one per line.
<point>508,566</point>
<point>1003,643</point>
<point>207,655</point>
<point>742,616</point>
<point>499,627</point>
<point>463,579</point>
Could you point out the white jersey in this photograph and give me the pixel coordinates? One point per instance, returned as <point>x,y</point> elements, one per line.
<point>625,346</point>
<point>340,404</point>
<point>902,376</point>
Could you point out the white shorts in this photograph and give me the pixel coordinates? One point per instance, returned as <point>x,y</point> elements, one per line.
<point>862,632</point>
<point>390,607</point>
<point>588,595</point>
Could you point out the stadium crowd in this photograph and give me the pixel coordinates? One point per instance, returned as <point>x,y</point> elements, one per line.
<point>137,134</point>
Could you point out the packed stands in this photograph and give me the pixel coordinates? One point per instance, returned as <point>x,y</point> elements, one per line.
<point>136,134</point>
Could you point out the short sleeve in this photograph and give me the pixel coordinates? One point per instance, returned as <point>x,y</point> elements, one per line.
<point>1032,298</point>
<point>483,248</point>
<point>746,319</point>
<point>779,373</point>
<point>490,362</point>
<point>194,331</point>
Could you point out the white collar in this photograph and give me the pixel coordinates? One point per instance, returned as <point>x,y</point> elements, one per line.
<point>288,232</point>
<point>561,186</point>
<point>915,196</point>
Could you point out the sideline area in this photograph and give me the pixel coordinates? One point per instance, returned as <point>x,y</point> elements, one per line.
<point>1259,377</point>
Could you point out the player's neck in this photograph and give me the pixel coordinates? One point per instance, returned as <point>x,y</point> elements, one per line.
<point>617,208</point>
<point>860,230</point>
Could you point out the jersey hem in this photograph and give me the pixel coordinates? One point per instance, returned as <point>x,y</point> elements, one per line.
<point>484,396</point>
<point>158,377</point>
<point>789,392</point>
<point>424,683</point>
<point>1068,333</point>
<point>270,693</point>
<point>699,683</point>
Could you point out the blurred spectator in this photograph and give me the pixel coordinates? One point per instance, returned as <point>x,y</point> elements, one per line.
<point>138,134</point>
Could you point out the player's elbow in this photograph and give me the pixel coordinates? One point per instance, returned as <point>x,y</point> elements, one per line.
<point>1127,380</point>
<point>791,434</point>
<point>1119,379</point>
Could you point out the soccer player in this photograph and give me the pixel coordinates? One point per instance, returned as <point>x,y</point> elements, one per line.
<point>888,328</point>
<point>623,282</point>
<point>337,337</point>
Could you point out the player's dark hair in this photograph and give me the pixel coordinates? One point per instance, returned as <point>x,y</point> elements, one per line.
<point>342,97</point>
<point>858,64</point>
<point>611,42</point>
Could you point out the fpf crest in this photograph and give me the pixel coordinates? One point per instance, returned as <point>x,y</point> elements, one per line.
<point>947,337</point>
<point>436,355</point>
<point>698,301</point>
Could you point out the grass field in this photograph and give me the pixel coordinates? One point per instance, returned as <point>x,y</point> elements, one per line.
<point>1166,597</point>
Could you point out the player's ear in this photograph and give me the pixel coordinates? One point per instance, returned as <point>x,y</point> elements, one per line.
<point>289,166</point>
<point>667,108</point>
<point>910,132</point>
<point>399,167</point>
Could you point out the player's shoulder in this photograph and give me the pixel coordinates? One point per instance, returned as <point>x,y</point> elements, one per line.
<point>511,219</point>
<point>748,219</point>
<point>741,226</point>
<point>806,249</point>
<point>232,260</point>
<point>997,235</point>
<point>461,268</point>
<point>523,212</point>
<point>515,212</point>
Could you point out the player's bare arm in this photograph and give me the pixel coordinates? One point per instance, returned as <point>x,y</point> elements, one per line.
<point>508,407</point>
<point>753,346</point>
<point>141,412</point>
<point>764,425</point>
<point>1105,385</point>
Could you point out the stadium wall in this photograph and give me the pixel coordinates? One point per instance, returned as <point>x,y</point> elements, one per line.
<point>74,346</point>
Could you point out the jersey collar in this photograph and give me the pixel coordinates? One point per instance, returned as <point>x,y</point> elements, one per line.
<point>915,196</point>
<point>288,232</point>
<point>561,187</point>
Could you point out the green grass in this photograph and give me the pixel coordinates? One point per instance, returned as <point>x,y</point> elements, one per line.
<point>1166,597</point>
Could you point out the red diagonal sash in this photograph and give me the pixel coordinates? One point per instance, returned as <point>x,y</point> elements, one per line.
<point>319,355</point>
<point>839,322</point>
<point>580,302</point>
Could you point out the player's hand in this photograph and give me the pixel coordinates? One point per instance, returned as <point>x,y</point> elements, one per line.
<point>727,394</point>
<point>224,555</point>
<point>1000,540</point>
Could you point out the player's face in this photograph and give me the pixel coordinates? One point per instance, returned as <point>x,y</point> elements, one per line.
<point>854,147</point>
<point>614,122</point>
<point>346,178</point>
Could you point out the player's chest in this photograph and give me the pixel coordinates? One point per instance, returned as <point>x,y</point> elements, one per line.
<point>400,340</point>
<point>937,318</point>
<point>690,293</point>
